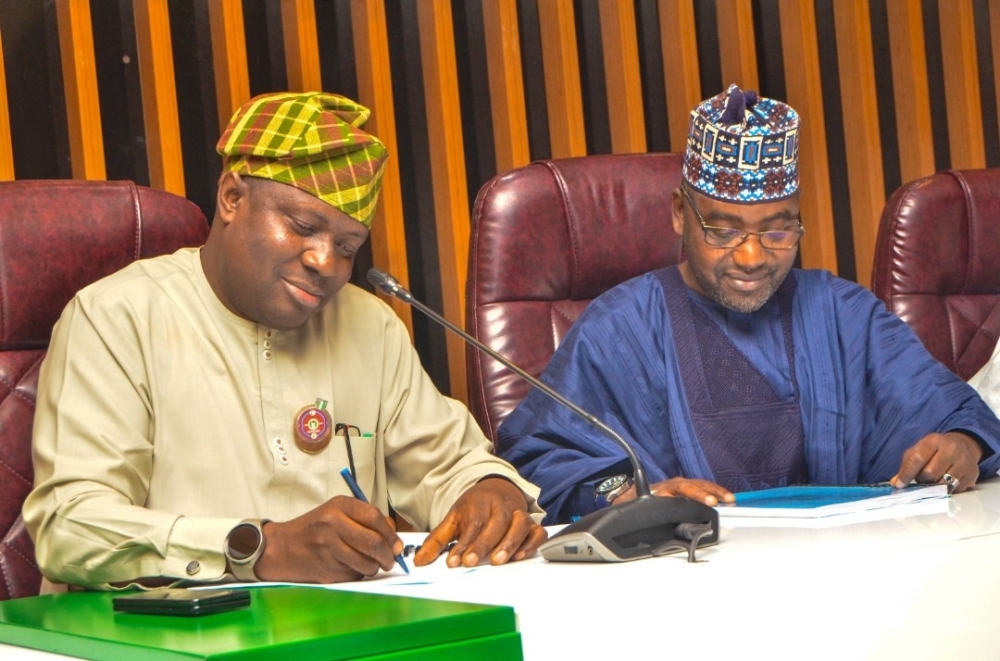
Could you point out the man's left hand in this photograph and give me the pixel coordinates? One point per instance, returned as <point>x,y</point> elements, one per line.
<point>490,519</point>
<point>935,455</point>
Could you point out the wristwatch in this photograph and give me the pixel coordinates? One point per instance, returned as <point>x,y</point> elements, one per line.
<point>607,490</point>
<point>244,545</point>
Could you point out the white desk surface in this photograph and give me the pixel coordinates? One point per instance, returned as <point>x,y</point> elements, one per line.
<point>921,586</point>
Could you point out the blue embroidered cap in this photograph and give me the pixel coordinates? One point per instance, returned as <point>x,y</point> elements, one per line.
<point>743,148</point>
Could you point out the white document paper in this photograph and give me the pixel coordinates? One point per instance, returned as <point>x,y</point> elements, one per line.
<point>435,572</point>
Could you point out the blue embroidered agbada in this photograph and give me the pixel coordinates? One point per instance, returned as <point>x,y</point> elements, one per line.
<point>865,386</point>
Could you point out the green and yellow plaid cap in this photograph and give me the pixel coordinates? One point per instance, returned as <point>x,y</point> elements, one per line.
<point>312,141</point>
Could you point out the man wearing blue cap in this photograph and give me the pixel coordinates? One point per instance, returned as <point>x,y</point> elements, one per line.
<point>733,371</point>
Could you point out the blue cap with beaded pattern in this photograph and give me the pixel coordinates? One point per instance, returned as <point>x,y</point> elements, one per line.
<point>743,148</point>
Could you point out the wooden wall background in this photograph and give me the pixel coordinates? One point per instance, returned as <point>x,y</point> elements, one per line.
<point>889,90</point>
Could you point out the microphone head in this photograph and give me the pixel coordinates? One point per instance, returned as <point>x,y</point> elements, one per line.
<point>388,285</point>
<point>378,279</point>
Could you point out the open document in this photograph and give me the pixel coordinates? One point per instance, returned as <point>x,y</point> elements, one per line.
<point>435,572</point>
<point>814,501</point>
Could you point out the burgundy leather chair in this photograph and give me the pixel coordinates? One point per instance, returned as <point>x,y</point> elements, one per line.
<point>56,237</point>
<point>937,264</point>
<point>548,238</point>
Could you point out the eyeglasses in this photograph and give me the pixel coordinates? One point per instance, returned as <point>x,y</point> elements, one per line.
<point>730,237</point>
<point>346,429</point>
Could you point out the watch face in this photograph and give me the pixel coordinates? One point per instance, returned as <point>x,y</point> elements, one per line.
<point>243,541</point>
<point>611,483</point>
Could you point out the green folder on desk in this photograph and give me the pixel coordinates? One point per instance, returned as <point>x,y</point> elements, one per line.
<point>287,623</point>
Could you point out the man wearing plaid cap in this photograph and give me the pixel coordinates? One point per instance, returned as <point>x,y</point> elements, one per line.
<point>237,381</point>
<point>735,372</point>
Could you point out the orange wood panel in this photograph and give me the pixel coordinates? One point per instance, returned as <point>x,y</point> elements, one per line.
<point>298,24</point>
<point>737,45</point>
<point>995,41</point>
<point>961,84</point>
<point>6,148</point>
<point>622,79</point>
<point>229,57</point>
<point>910,89</point>
<point>563,96</point>
<point>371,51</point>
<point>159,95</point>
<point>451,203</point>
<point>503,64</point>
<point>861,129</point>
<point>83,110</point>
<point>681,70</point>
<point>800,52</point>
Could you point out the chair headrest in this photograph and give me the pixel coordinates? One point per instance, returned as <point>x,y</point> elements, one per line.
<point>931,225</point>
<point>935,264</point>
<point>57,237</point>
<point>577,226</point>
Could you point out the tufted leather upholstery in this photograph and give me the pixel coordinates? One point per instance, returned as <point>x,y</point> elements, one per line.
<point>936,264</point>
<point>55,238</point>
<point>548,238</point>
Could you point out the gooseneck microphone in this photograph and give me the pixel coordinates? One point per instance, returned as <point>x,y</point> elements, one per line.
<point>389,285</point>
<point>644,527</point>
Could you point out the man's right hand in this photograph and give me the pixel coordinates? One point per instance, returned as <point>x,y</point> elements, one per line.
<point>341,540</point>
<point>701,491</point>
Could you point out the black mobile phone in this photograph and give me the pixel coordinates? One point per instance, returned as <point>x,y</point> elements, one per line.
<point>182,601</point>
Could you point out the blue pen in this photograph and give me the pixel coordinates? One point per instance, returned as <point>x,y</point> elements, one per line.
<point>360,495</point>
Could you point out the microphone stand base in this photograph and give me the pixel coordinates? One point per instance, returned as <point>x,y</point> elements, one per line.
<point>641,528</point>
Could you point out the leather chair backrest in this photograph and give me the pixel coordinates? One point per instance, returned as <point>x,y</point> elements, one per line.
<point>937,264</point>
<point>548,238</point>
<point>56,237</point>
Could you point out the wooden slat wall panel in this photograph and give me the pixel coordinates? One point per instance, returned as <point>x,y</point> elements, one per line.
<point>861,128</point>
<point>681,72</point>
<point>229,55</point>
<point>994,7</point>
<point>159,95</point>
<point>76,44</point>
<point>563,96</point>
<point>961,83</point>
<point>621,73</point>
<point>910,89</point>
<point>6,148</point>
<point>451,204</point>
<point>298,23</point>
<point>802,81</point>
<point>700,42</point>
<point>503,59</point>
<point>371,47</point>
<point>737,44</point>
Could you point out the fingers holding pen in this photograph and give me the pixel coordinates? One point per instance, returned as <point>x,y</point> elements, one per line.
<point>341,540</point>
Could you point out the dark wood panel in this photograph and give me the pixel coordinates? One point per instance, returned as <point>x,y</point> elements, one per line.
<point>388,239</point>
<point>961,84</point>
<point>805,94</point>
<point>6,150</point>
<point>681,67</point>
<point>506,84</point>
<point>563,91</point>
<point>83,110</point>
<point>861,128</point>
<point>451,204</point>
<point>159,95</point>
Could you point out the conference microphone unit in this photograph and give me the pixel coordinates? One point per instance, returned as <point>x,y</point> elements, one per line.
<point>641,528</point>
